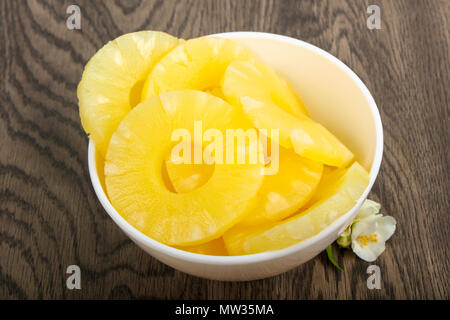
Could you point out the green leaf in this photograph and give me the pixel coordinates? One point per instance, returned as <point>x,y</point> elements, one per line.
<point>330,257</point>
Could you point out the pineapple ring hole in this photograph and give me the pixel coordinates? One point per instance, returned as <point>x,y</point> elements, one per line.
<point>183,178</point>
<point>135,93</point>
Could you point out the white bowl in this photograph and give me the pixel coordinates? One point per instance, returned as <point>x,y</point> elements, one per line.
<point>335,97</point>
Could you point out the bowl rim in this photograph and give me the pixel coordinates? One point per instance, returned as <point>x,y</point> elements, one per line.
<point>136,235</point>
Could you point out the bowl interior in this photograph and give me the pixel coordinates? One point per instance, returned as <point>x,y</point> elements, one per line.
<point>334,96</point>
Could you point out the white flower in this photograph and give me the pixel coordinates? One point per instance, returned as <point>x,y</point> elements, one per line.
<point>371,231</point>
<point>368,208</point>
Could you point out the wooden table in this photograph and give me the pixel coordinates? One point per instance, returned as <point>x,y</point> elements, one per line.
<point>50,217</point>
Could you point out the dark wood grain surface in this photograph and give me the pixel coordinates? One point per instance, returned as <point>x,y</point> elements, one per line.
<point>50,217</point>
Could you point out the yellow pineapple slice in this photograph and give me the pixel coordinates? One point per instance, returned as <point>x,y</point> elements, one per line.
<point>196,64</point>
<point>113,78</point>
<point>214,247</point>
<point>341,197</point>
<point>134,178</point>
<point>329,177</point>
<point>100,164</point>
<point>260,82</point>
<point>307,137</point>
<point>285,192</point>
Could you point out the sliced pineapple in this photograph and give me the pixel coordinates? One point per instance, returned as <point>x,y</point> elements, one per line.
<point>330,176</point>
<point>100,164</point>
<point>285,192</point>
<point>307,137</point>
<point>134,178</point>
<point>196,64</point>
<point>271,104</point>
<point>341,197</point>
<point>280,194</point>
<point>214,247</point>
<point>112,81</point>
<point>261,83</point>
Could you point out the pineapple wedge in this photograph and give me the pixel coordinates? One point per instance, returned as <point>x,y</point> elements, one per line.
<point>259,82</point>
<point>243,85</point>
<point>329,177</point>
<point>340,198</point>
<point>134,178</point>
<point>197,64</point>
<point>113,78</point>
<point>307,137</point>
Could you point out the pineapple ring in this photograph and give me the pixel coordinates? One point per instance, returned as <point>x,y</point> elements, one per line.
<point>111,81</point>
<point>197,64</point>
<point>135,183</point>
<point>307,137</point>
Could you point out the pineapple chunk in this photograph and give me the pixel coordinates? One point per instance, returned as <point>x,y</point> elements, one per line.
<point>340,198</point>
<point>285,192</point>
<point>197,64</point>
<point>112,80</point>
<point>259,82</point>
<point>134,178</point>
<point>214,247</point>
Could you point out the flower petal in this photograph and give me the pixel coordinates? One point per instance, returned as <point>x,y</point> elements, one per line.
<point>365,226</point>
<point>368,208</point>
<point>386,227</point>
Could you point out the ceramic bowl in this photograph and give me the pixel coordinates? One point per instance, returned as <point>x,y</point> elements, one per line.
<point>335,97</point>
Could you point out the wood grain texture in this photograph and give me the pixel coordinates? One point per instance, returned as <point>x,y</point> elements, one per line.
<point>50,217</point>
